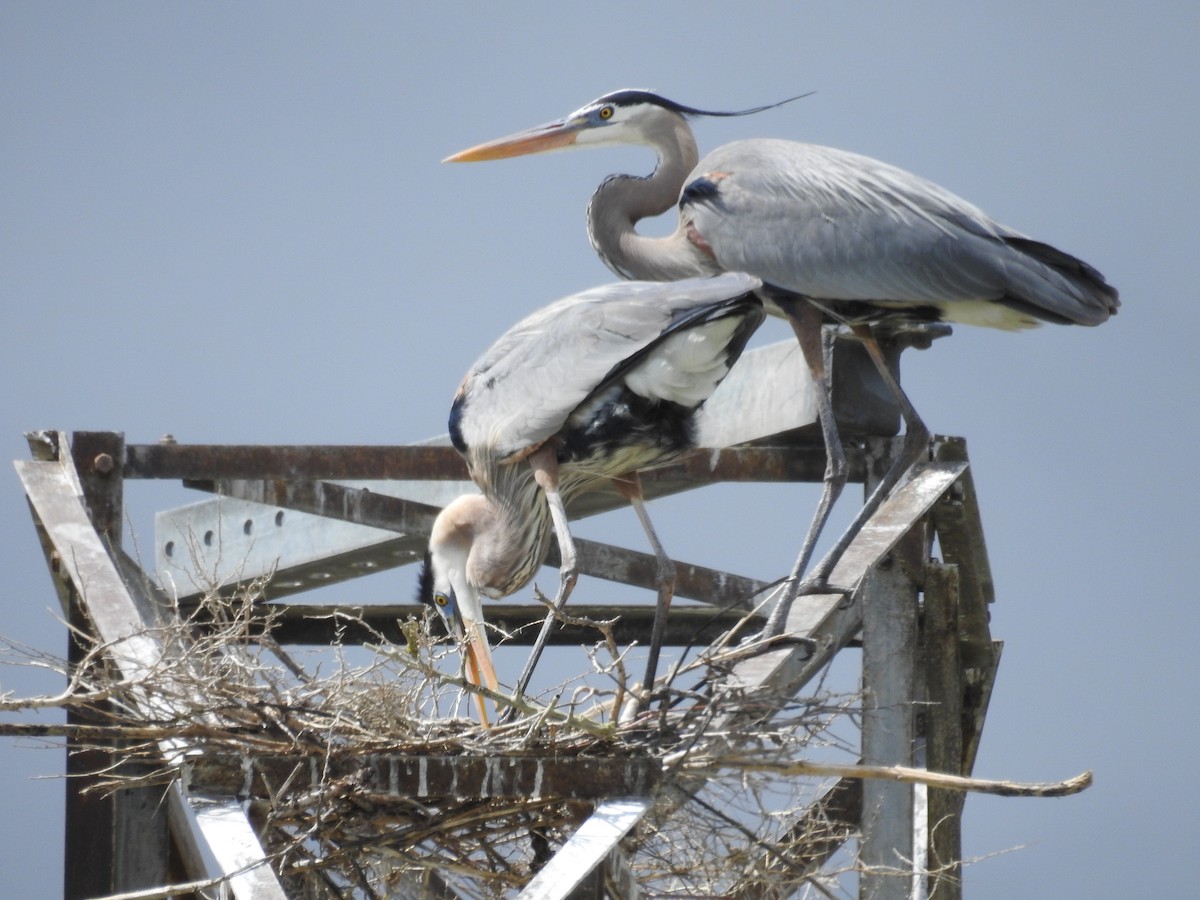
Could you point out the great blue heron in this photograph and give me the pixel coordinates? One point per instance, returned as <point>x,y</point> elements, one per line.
<point>593,387</point>
<point>834,236</point>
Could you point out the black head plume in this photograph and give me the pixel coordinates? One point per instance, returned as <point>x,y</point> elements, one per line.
<point>632,97</point>
<point>425,581</point>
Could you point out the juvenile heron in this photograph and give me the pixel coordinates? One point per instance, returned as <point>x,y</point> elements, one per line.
<point>834,236</point>
<point>588,389</point>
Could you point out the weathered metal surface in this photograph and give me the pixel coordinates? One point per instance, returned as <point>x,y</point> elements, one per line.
<point>960,536</point>
<point>804,461</point>
<point>427,776</point>
<point>765,683</point>
<point>948,726</point>
<point>141,840</point>
<point>789,458</point>
<point>234,844</point>
<point>886,851</point>
<point>328,500</point>
<point>113,841</point>
<point>202,462</point>
<point>768,393</point>
<point>978,681</point>
<point>218,541</point>
<point>831,620</point>
<point>783,460</point>
<point>97,456</point>
<point>586,849</point>
<point>942,714</point>
<point>960,530</point>
<point>710,586</point>
<point>296,623</point>
<point>804,845</point>
<point>413,521</point>
<point>80,558</point>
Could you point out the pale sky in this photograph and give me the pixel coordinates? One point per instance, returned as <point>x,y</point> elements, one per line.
<point>229,222</point>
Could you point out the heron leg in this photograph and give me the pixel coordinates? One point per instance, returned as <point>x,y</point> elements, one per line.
<point>630,487</point>
<point>544,463</point>
<point>915,447</point>
<point>806,322</point>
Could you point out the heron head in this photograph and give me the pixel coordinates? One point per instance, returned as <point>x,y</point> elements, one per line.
<point>619,117</point>
<point>444,584</point>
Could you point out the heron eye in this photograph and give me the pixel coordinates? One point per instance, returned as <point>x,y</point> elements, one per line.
<point>441,599</point>
<point>606,112</point>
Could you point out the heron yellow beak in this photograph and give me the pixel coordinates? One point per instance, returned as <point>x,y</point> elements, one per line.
<point>480,671</point>
<point>551,136</point>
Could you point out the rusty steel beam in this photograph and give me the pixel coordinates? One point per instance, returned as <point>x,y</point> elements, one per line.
<point>361,506</point>
<point>211,462</point>
<point>803,460</point>
<point>119,610</point>
<point>224,541</point>
<point>427,776</point>
<point>960,536</point>
<point>764,683</point>
<point>294,623</point>
<point>777,462</point>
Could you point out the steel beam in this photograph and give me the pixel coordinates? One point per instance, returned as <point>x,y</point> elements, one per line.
<point>757,687</point>
<point>586,849</point>
<point>310,534</point>
<point>302,623</point>
<point>427,777</point>
<point>886,849</point>
<point>413,522</point>
<point>944,727</point>
<point>768,393</point>
<point>954,696</point>
<point>119,622</point>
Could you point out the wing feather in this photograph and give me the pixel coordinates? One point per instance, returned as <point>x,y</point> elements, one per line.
<point>526,385</point>
<point>833,225</point>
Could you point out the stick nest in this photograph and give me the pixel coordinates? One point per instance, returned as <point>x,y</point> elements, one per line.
<point>301,742</point>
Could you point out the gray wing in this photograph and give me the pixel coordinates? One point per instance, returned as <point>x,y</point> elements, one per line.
<point>833,225</point>
<point>523,389</point>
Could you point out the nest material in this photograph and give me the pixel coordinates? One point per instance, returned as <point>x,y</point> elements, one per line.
<point>313,746</point>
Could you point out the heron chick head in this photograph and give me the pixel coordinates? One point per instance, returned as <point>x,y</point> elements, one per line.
<point>444,584</point>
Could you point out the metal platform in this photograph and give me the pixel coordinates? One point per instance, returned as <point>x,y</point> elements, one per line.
<point>315,515</point>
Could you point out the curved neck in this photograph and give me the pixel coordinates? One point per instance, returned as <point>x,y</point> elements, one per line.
<point>622,201</point>
<point>508,550</point>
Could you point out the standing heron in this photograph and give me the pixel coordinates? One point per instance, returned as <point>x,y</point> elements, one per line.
<point>589,389</point>
<point>834,237</point>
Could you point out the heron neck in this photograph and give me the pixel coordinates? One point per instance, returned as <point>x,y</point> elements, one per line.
<point>506,554</point>
<point>622,201</point>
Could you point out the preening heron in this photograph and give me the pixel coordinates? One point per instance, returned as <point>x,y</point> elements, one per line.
<point>594,387</point>
<point>834,237</point>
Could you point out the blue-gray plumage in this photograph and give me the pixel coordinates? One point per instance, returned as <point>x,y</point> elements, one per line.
<point>594,387</point>
<point>834,236</point>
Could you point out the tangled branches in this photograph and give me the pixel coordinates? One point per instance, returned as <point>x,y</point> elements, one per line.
<point>362,782</point>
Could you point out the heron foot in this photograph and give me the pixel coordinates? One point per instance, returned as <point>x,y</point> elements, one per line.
<point>817,585</point>
<point>762,642</point>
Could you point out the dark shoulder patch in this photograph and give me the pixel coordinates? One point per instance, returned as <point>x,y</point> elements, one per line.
<point>701,190</point>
